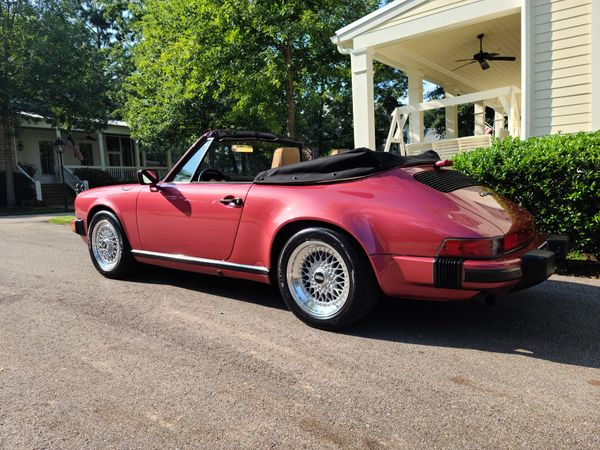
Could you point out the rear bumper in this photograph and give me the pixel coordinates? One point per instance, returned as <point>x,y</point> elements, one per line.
<point>455,279</point>
<point>530,269</point>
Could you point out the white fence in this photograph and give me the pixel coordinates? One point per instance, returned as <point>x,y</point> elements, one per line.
<point>122,173</point>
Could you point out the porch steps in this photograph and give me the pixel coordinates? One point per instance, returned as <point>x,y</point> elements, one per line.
<point>52,195</point>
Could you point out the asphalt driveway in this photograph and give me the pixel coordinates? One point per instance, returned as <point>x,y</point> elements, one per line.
<point>169,359</point>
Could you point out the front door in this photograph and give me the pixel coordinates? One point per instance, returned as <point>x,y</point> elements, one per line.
<point>47,162</point>
<point>197,210</point>
<point>191,219</point>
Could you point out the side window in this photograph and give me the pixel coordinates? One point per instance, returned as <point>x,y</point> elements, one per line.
<point>240,161</point>
<point>47,157</point>
<point>188,171</point>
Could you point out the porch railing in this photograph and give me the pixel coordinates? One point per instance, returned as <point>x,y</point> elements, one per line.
<point>35,183</point>
<point>446,148</point>
<point>121,173</point>
<point>74,182</point>
<point>504,100</point>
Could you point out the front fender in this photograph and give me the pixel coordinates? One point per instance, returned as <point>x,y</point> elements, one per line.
<point>121,200</point>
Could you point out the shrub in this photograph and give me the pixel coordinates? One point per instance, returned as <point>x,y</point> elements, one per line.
<point>96,177</point>
<point>557,178</point>
<point>24,190</point>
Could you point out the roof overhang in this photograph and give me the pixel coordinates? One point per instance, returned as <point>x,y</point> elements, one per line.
<point>370,21</point>
<point>38,121</point>
<point>427,36</point>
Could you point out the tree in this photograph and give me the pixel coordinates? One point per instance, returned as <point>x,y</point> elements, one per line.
<point>256,64</point>
<point>13,43</point>
<point>50,66</point>
<point>110,23</point>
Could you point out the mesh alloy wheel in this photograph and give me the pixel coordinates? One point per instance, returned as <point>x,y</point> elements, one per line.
<point>106,245</point>
<point>319,279</point>
<point>326,278</point>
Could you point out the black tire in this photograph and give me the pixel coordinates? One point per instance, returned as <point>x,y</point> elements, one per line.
<point>325,280</point>
<point>123,263</point>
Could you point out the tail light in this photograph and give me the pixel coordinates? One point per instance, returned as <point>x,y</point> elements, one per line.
<point>483,248</point>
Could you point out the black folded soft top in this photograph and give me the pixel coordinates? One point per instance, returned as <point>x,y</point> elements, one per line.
<point>357,163</point>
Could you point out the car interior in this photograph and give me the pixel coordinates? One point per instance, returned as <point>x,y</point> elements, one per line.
<point>238,161</point>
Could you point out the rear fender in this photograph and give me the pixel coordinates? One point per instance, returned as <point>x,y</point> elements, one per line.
<point>265,218</point>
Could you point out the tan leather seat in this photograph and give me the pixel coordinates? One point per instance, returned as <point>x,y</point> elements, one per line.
<point>338,151</point>
<point>284,156</point>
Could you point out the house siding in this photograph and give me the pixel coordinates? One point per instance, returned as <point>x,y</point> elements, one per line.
<point>562,66</point>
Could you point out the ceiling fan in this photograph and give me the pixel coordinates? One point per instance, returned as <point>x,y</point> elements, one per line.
<point>483,57</point>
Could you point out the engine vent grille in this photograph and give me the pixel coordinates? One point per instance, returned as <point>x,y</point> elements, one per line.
<point>447,273</point>
<point>445,180</point>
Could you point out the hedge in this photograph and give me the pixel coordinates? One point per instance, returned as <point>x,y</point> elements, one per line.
<point>557,178</point>
<point>96,177</point>
<point>24,189</point>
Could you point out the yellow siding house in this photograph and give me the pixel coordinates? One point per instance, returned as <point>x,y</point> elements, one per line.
<point>551,86</point>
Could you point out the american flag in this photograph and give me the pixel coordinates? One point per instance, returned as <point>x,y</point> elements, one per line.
<point>70,142</point>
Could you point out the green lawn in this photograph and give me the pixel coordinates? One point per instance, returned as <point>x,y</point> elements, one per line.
<point>61,220</point>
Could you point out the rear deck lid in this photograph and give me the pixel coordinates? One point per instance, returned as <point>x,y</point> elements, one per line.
<point>482,201</point>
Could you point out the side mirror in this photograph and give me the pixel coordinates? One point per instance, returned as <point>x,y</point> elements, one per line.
<point>148,177</point>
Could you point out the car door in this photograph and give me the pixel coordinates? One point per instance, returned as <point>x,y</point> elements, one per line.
<point>185,217</point>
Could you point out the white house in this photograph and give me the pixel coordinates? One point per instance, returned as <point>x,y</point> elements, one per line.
<point>552,86</point>
<point>111,150</point>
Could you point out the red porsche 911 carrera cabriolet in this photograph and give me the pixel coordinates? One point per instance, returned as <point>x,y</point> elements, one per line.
<point>332,233</point>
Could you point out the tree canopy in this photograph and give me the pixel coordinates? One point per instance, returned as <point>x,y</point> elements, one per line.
<point>175,68</point>
<point>49,65</point>
<point>258,64</point>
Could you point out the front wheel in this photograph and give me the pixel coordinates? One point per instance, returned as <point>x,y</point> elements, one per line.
<point>108,246</point>
<point>325,280</point>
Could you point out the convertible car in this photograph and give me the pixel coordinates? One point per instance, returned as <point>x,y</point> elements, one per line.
<point>331,233</point>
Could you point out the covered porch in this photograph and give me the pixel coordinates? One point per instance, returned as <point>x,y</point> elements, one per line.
<point>424,39</point>
<point>111,151</point>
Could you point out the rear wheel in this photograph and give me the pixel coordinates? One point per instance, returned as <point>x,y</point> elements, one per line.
<point>325,280</point>
<point>108,246</point>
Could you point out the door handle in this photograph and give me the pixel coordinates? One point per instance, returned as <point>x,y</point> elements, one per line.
<point>230,200</point>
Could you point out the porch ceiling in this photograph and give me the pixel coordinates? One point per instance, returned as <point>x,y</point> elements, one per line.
<point>434,55</point>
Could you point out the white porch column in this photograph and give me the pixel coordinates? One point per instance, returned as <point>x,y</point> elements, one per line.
<point>56,157</point>
<point>451,119</point>
<point>415,96</point>
<point>101,150</point>
<point>479,122</point>
<point>499,131</point>
<point>136,154</point>
<point>527,70</point>
<point>363,98</point>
